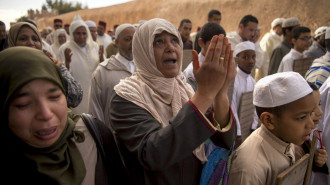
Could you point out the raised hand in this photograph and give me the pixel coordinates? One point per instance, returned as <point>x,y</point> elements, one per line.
<point>101,51</point>
<point>320,157</point>
<point>68,55</point>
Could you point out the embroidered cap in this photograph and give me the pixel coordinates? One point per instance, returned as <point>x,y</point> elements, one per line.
<point>101,23</point>
<point>319,31</point>
<point>280,89</point>
<point>290,22</point>
<point>246,45</point>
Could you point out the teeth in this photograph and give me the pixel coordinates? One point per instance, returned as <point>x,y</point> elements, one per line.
<point>46,132</point>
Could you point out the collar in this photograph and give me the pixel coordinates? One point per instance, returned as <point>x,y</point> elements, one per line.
<point>240,72</point>
<point>296,53</point>
<point>122,59</point>
<point>285,148</point>
<point>274,34</point>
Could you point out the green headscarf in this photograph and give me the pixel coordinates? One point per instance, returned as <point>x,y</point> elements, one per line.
<point>60,163</point>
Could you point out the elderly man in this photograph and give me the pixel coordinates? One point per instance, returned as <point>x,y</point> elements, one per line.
<point>320,69</point>
<point>248,31</point>
<point>185,30</point>
<point>318,46</point>
<point>272,39</point>
<point>284,48</point>
<point>58,23</point>
<point>81,56</point>
<point>102,37</point>
<point>109,73</point>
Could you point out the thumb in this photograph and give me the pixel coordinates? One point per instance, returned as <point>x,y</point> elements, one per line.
<point>195,61</point>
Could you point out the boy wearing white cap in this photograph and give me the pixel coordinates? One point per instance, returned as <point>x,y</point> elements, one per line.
<point>317,48</point>
<point>320,69</point>
<point>301,39</point>
<point>284,104</point>
<point>245,57</point>
<point>109,73</point>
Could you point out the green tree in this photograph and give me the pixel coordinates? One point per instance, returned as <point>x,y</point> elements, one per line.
<point>62,6</point>
<point>21,19</point>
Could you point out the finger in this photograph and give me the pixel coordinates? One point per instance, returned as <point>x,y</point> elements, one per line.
<point>223,52</point>
<point>210,51</point>
<point>218,49</point>
<point>227,57</point>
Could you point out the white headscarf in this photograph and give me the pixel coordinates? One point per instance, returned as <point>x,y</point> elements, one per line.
<point>76,23</point>
<point>147,87</point>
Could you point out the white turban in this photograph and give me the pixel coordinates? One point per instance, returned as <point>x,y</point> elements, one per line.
<point>90,23</point>
<point>121,28</point>
<point>246,45</point>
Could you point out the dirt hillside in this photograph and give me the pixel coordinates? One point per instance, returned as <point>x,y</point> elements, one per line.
<point>311,13</point>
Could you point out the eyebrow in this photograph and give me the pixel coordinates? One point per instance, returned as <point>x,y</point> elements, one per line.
<point>22,94</point>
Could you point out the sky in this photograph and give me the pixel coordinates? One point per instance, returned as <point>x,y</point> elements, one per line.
<point>10,10</point>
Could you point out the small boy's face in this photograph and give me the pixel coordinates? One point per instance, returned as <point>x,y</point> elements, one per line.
<point>295,123</point>
<point>317,113</point>
<point>303,42</point>
<point>246,60</point>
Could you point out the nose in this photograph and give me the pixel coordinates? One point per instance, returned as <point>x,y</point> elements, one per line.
<point>44,111</point>
<point>310,123</point>
<point>170,47</point>
<point>30,42</point>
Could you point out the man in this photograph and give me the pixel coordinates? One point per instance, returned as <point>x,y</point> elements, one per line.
<point>273,38</point>
<point>3,36</point>
<point>58,23</point>
<point>103,38</point>
<point>320,69</point>
<point>109,73</point>
<point>284,48</point>
<point>185,30</point>
<point>213,16</point>
<point>301,39</point>
<point>248,31</point>
<point>66,27</point>
<point>81,56</point>
<point>92,28</point>
<point>318,46</point>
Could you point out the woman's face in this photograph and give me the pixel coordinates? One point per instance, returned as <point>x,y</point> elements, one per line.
<point>38,113</point>
<point>27,37</point>
<point>168,54</point>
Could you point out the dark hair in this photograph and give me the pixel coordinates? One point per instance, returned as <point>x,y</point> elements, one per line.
<point>31,22</point>
<point>184,21</point>
<point>209,30</point>
<point>299,30</point>
<point>248,18</point>
<point>212,12</point>
<point>287,28</point>
<point>313,86</point>
<point>277,111</point>
<point>2,23</point>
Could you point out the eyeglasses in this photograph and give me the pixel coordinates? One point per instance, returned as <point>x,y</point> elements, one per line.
<point>305,38</point>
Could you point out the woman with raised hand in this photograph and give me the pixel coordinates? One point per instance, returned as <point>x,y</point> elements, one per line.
<point>160,123</point>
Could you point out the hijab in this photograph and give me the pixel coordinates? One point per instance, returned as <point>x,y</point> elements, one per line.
<point>60,163</point>
<point>147,87</point>
<point>16,28</point>
<point>76,23</point>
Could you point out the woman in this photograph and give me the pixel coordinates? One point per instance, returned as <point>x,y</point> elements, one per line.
<point>159,121</point>
<point>42,141</point>
<point>60,37</point>
<point>26,34</point>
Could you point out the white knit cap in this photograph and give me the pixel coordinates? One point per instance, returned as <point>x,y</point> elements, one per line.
<point>90,23</point>
<point>277,21</point>
<point>280,89</point>
<point>121,28</point>
<point>242,46</point>
<point>290,22</point>
<point>327,33</point>
<point>319,31</point>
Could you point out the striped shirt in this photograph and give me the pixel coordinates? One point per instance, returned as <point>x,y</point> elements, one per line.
<point>319,71</point>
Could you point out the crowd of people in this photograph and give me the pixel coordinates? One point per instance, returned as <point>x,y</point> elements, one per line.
<point>81,106</point>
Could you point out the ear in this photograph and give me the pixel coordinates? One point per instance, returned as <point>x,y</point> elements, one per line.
<point>293,40</point>
<point>241,26</point>
<point>267,119</point>
<point>200,42</point>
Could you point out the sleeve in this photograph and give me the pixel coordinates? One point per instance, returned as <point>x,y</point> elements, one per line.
<point>188,72</point>
<point>73,88</point>
<point>95,104</point>
<point>235,107</point>
<point>244,177</point>
<point>158,148</point>
<point>274,61</point>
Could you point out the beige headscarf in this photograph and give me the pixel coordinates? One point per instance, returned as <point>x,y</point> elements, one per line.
<point>147,87</point>
<point>16,28</point>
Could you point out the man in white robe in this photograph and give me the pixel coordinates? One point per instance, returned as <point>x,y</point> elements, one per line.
<point>58,23</point>
<point>109,73</point>
<point>81,57</point>
<point>103,38</point>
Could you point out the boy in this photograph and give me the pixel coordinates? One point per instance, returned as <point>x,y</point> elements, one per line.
<point>245,57</point>
<point>284,104</point>
<point>207,32</point>
<point>302,40</point>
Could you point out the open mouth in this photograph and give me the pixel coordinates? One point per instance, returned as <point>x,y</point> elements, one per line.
<point>307,137</point>
<point>46,133</point>
<point>170,61</point>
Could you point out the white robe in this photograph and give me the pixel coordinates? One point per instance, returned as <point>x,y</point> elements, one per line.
<point>287,61</point>
<point>269,42</point>
<point>104,40</point>
<point>106,76</point>
<point>243,83</point>
<point>188,72</point>
<point>324,125</point>
<point>82,67</point>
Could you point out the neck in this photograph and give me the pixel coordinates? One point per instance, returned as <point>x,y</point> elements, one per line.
<point>244,70</point>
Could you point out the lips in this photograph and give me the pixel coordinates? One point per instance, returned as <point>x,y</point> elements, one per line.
<point>306,137</point>
<point>46,133</point>
<point>170,61</point>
